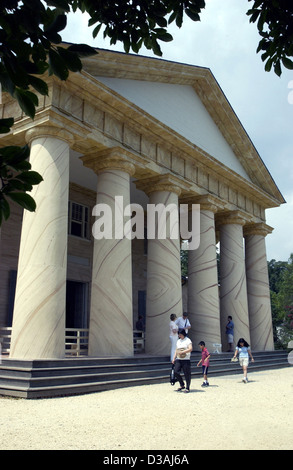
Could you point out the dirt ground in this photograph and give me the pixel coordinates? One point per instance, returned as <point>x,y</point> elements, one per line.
<point>228,415</point>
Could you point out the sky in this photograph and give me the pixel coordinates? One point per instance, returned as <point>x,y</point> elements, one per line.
<point>226,43</point>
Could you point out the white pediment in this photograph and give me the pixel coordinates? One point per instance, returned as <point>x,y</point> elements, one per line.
<point>179,107</point>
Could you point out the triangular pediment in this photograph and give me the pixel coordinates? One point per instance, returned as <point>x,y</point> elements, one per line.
<point>188,100</point>
<point>179,108</point>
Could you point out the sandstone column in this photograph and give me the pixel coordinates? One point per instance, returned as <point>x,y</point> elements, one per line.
<point>203,290</point>
<point>38,329</point>
<point>164,291</point>
<point>233,291</point>
<point>258,290</point>
<point>111,329</point>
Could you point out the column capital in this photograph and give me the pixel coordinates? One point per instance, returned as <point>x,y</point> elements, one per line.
<point>260,228</point>
<point>209,203</point>
<point>233,217</point>
<point>166,182</point>
<point>115,158</point>
<point>48,131</point>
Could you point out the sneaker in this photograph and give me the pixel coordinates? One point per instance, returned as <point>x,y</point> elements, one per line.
<point>245,380</point>
<point>186,390</point>
<point>180,389</point>
<point>205,384</point>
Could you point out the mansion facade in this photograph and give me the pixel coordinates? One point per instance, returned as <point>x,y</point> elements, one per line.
<point>152,132</point>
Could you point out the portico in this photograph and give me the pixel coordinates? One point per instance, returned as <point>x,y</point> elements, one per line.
<point>94,138</point>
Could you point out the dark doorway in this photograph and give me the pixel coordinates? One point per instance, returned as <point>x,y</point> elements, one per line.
<point>76,304</point>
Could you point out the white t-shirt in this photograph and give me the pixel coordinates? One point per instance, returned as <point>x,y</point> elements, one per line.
<point>184,343</point>
<point>243,352</point>
<point>173,326</point>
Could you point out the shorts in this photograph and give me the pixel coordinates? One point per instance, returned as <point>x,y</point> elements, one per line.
<point>205,370</point>
<point>243,361</point>
<point>230,338</point>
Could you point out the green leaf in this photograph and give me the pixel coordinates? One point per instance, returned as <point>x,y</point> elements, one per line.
<point>15,156</point>
<point>24,200</point>
<point>155,47</point>
<point>27,101</point>
<point>30,177</point>
<point>165,37</point>
<point>172,17</point>
<point>96,30</point>
<point>287,63</point>
<point>192,16</point>
<point>57,65</point>
<point>39,85</point>
<point>6,81</point>
<point>277,68</point>
<point>83,50</point>
<point>62,4</point>
<point>71,59</point>
<point>5,125</point>
<point>57,25</point>
<point>15,184</point>
<point>268,65</point>
<point>4,208</point>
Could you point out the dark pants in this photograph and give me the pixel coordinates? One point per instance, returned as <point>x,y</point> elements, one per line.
<point>185,366</point>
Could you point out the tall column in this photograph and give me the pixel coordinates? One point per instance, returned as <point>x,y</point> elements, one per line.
<point>203,290</point>
<point>111,328</point>
<point>38,329</point>
<point>164,290</point>
<point>258,290</point>
<point>233,291</point>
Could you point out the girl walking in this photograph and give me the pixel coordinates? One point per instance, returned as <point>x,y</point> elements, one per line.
<point>243,349</point>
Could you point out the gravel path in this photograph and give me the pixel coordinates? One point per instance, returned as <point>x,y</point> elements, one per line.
<point>227,415</point>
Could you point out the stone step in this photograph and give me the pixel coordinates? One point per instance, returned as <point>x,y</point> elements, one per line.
<point>37,379</point>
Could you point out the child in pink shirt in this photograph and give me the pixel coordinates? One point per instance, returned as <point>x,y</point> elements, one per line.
<point>205,356</point>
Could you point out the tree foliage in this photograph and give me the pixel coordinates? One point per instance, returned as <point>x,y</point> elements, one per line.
<point>281,287</point>
<point>274,19</point>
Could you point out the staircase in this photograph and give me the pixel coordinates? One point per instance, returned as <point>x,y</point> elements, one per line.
<point>51,378</point>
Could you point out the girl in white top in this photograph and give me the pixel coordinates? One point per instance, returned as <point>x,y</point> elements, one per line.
<point>173,334</point>
<point>243,349</point>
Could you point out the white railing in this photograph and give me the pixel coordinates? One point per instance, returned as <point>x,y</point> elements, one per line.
<point>76,341</point>
<point>138,340</point>
<point>5,336</point>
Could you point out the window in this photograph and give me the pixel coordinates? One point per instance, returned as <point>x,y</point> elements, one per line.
<point>78,222</point>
